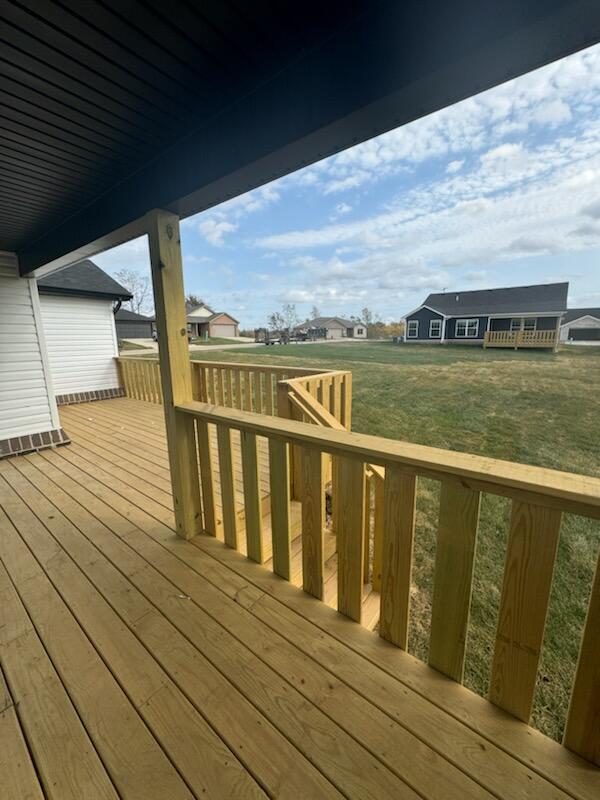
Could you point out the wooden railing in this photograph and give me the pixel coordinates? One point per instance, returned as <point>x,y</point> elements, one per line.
<point>516,339</point>
<point>247,387</point>
<point>539,498</point>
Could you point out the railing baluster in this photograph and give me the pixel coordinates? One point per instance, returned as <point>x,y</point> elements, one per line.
<point>248,390</point>
<point>238,390</point>
<point>206,478</point>
<point>258,405</point>
<point>279,477</point>
<point>377,532</point>
<point>252,505</point>
<point>530,557</point>
<point>220,387</point>
<point>398,533</point>
<point>269,393</point>
<point>210,386</point>
<point>453,578</point>
<point>346,400</point>
<point>228,505</point>
<point>230,402</point>
<point>350,533</point>
<point>313,521</point>
<point>367,524</point>
<point>582,734</point>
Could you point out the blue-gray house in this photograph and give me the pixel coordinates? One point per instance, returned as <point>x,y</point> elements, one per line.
<point>517,316</point>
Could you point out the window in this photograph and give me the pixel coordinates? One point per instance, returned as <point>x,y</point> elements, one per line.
<point>467,328</point>
<point>412,330</point>
<point>359,331</point>
<point>529,324</point>
<point>435,329</point>
<point>515,324</point>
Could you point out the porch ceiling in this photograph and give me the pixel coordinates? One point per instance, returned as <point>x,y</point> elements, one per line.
<point>112,108</point>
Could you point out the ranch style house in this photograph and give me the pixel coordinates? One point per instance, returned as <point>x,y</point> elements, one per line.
<point>516,316</point>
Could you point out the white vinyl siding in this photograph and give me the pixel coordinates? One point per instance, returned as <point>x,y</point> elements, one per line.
<point>81,342</point>
<point>26,399</point>
<point>466,328</point>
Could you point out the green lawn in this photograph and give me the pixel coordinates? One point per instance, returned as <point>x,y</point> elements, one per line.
<point>214,340</point>
<point>529,406</point>
<point>125,345</point>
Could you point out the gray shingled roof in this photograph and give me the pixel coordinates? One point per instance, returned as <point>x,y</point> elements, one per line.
<point>124,314</point>
<point>85,279</point>
<point>577,313</point>
<point>321,322</point>
<point>541,298</point>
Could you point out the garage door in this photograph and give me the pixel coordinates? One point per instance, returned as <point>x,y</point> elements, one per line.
<point>584,334</point>
<point>223,329</point>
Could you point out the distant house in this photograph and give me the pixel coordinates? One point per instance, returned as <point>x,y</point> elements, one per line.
<point>203,322</point>
<point>133,326</point>
<point>516,316</point>
<point>581,325</point>
<point>76,305</point>
<point>333,328</point>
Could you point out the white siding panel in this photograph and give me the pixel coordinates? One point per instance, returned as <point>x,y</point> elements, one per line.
<point>80,338</point>
<point>26,399</point>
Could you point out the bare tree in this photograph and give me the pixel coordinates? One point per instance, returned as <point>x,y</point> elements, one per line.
<point>314,312</point>
<point>193,301</point>
<point>290,316</point>
<point>276,321</point>
<point>138,283</point>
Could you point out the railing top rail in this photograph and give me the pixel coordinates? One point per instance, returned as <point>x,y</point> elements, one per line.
<point>296,371</point>
<point>579,494</point>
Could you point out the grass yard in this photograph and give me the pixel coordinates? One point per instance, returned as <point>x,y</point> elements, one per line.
<point>214,340</point>
<point>528,406</point>
<point>125,345</point>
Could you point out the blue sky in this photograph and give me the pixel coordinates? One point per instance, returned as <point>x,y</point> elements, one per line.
<point>498,190</point>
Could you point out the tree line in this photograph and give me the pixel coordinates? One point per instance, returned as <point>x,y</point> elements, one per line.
<point>287,319</point>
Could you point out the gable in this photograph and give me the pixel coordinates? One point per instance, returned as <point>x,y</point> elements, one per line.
<point>202,312</point>
<point>223,318</point>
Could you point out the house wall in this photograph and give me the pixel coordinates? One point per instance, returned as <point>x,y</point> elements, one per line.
<point>225,326</point>
<point>335,331</point>
<point>582,323</point>
<point>133,329</point>
<point>542,323</point>
<point>28,411</point>
<point>82,343</point>
<point>356,334</point>
<point>423,316</point>
<point>451,328</point>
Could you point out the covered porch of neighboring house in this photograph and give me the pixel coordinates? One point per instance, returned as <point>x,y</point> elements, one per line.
<point>188,584</point>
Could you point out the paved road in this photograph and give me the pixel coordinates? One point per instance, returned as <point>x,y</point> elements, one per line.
<point>152,346</point>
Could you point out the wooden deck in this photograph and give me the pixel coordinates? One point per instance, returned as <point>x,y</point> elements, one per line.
<point>138,665</point>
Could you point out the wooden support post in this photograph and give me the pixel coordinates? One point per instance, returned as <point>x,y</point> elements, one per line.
<point>175,372</point>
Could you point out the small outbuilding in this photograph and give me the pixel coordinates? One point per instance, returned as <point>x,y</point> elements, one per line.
<point>130,325</point>
<point>76,305</point>
<point>581,326</point>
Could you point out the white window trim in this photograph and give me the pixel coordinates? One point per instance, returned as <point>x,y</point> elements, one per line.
<point>466,334</point>
<point>530,319</point>
<point>435,322</point>
<point>414,335</point>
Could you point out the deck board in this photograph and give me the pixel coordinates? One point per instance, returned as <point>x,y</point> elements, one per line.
<point>135,642</point>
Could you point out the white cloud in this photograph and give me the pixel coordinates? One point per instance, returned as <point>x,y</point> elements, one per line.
<point>455,166</point>
<point>214,230</point>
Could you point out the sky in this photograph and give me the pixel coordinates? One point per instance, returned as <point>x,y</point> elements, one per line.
<point>501,189</point>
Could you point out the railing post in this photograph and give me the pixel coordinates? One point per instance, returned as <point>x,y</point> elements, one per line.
<point>175,372</point>
<point>284,410</point>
